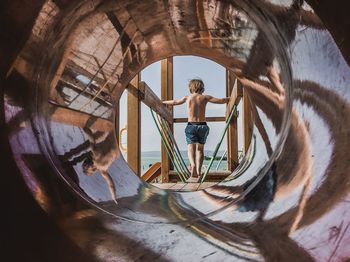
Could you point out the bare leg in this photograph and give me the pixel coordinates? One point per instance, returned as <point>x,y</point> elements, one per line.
<point>110,184</point>
<point>261,214</point>
<point>191,151</point>
<point>199,158</point>
<point>275,80</point>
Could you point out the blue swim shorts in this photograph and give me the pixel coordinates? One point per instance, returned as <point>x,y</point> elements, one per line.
<point>196,133</point>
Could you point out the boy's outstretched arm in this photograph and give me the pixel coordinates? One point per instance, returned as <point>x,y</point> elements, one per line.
<point>175,102</point>
<point>89,134</point>
<point>215,100</point>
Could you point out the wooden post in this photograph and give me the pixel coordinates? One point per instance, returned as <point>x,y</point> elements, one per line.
<point>117,120</point>
<point>167,93</point>
<point>232,132</point>
<point>247,121</point>
<point>134,128</point>
<point>57,76</point>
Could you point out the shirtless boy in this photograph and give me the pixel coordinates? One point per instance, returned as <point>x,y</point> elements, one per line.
<point>103,152</point>
<point>196,130</point>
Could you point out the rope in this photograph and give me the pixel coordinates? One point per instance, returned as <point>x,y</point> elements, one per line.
<point>175,156</point>
<point>168,150</point>
<point>176,148</point>
<point>167,147</point>
<point>219,144</point>
<point>181,166</point>
<point>100,67</point>
<point>222,157</point>
<point>110,77</point>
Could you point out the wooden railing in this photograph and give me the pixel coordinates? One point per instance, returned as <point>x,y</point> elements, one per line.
<point>149,98</point>
<point>152,173</point>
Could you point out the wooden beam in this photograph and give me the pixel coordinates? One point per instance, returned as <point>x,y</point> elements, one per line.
<point>73,68</point>
<point>149,98</point>
<point>78,87</point>
<point>234,92</point>
<point>134,128</point>
<point>205,36</point>
<point>167,93</point>
<point>73,117</point>
<point>207,119</point>
<point>192,186</point>
<point>117,120</point>
<point>153,172</point>
<point>126,40</point>
<point>247,121</point>
<point>60,67</point>
<point>235,96</point>
<point>212,176</point>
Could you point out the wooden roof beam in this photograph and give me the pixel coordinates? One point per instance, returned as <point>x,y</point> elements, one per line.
<point>73,117</point>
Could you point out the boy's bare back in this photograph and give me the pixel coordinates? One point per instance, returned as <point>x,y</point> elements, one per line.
<point>197,103</point>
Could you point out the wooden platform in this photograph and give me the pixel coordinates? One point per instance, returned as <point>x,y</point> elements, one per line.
<point>184,186</point>
<point>213,176</point>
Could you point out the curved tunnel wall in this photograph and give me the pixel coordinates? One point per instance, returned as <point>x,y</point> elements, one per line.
<point>301,149</point>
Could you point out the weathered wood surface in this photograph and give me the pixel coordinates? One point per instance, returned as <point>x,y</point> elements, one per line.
<point>184,186</point>
<point>149,98</point>
<point>232,131</point>
<point>152,173</point>
<point>134,128</point>
<point>207,119</point>
<point>166,93</point>
<point>74,117</point>
<point>235,98</point>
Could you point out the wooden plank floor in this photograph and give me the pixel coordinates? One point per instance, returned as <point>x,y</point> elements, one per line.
<point>190,187</point>
<point>205,185</point>
<point>177,186</point>
<point>184,186</point>
<point>163,185</point>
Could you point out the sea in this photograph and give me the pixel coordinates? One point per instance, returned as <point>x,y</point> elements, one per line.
<point>150,157</point>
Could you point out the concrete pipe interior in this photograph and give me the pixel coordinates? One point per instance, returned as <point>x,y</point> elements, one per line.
<point>284,200</point>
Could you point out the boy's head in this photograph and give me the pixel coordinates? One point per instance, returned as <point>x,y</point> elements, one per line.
<point>89,167</point>
<point>196,86</point>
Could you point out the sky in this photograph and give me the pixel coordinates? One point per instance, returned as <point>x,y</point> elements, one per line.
<point>185,68</point>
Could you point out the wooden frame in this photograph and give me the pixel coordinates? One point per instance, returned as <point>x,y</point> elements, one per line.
<point>149,98</point>
<point>207,119</point>
<point>167,93</point>
<point>134,128</point>
<point>117,120</point>
<point>58,74</point>
<point>139,91</point>
<point>235,92</point>
<point>62,114</point>
<point>247,121</point>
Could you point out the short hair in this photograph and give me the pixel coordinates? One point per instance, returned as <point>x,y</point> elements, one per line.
<point>89,167</point>
<point>196,86</point>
